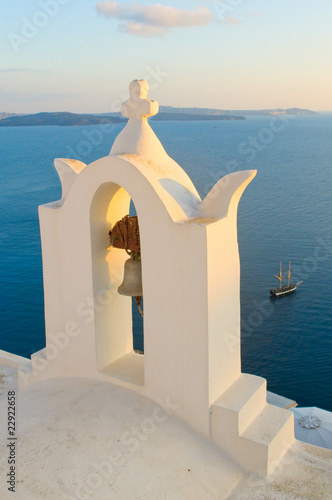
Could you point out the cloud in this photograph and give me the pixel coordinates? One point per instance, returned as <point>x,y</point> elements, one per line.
<point>255,14</point>
<point>152,20</point>
<point>12,70</point>
<point>232,20</point>
<point>16,70</point>
<point>140,29</point>
<point>16,96</point>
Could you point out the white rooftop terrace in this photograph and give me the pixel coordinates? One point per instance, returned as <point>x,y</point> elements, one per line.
<point>87,439</point>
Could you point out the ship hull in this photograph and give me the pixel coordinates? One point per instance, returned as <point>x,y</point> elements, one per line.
<point>277,292</point>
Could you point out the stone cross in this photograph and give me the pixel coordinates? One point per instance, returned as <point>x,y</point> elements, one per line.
<point>139,107</point>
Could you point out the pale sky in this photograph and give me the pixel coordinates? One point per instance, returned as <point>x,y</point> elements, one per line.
<point>80,55</point>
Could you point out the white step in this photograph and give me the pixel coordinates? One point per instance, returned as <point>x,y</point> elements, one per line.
<point>245,398</point>
<point>271,433</point>
<point>267,424</point>
<point>254,433</point>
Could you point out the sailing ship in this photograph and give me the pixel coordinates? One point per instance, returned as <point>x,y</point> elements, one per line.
<point>284,289</point>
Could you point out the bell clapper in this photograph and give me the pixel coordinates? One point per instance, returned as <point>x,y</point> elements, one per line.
<point>138,303</point>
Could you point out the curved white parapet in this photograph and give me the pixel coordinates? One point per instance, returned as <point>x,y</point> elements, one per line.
<point>223,197</point>
<point>226,194</point>
<point>67,171</point>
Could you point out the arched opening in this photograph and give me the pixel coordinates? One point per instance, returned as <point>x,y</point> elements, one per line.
<point>138,326</point>
<point>115,314</point>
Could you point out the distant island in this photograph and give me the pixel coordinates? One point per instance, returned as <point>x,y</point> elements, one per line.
<point>62,119</point>
<point>73,119</point>
<point>238,112</point>
<point>6,115</point>
<point>166,113</point>
<point>162,116</point>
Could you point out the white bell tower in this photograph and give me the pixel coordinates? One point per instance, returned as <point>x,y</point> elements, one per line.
<point>191,289</point>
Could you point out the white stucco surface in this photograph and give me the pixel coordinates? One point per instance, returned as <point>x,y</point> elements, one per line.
<point>8,379</point>
<point>9,364</point>
<point>83,439</point>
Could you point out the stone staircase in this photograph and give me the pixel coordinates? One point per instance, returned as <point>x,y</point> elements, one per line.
<point>251,431</point>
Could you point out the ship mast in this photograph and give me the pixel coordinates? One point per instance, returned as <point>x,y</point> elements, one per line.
<point>279,277</point>
<point>289,273</point>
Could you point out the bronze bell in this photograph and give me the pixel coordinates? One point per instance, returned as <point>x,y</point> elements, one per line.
<point>132,278</point>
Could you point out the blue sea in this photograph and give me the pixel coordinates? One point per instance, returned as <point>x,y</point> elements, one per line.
<point>284,215</point>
